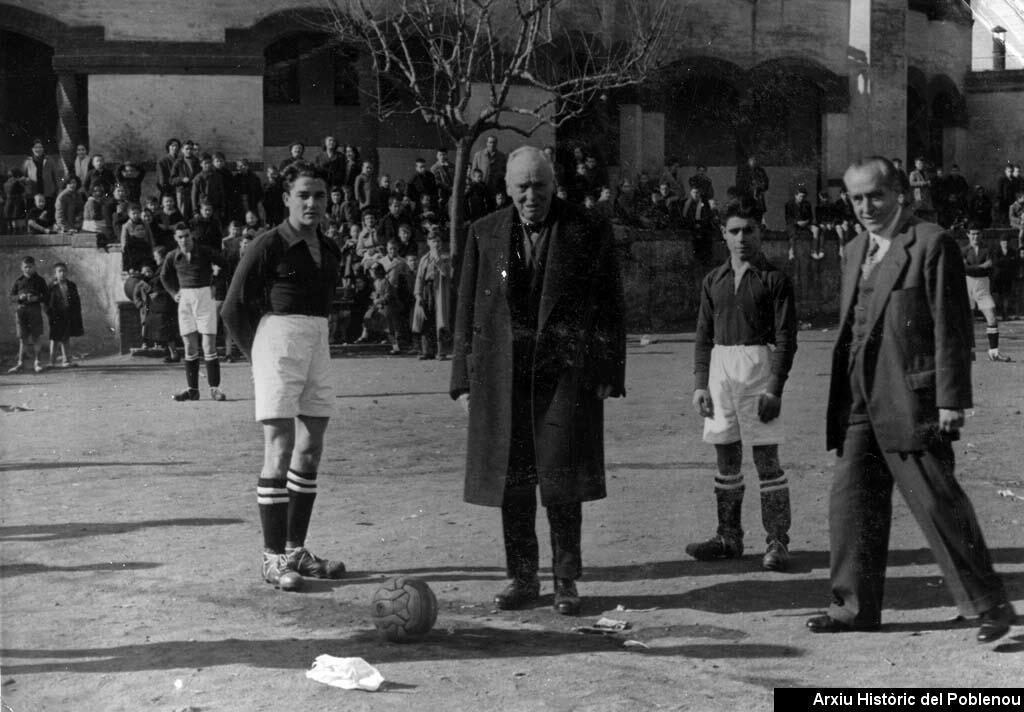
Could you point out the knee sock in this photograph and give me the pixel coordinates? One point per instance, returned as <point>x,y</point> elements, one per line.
<point>992,332</point>
<point>301,494</point>
<point>212,371</point>
<point>192,373</point>
<point>729,491</point>
<point>272,498</point>
<point>775,510</point>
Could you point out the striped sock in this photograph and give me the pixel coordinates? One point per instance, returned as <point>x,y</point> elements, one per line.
<point>301,494</point>
<point>272,498</point>
<point>729,490</point>
<point>992,332</point>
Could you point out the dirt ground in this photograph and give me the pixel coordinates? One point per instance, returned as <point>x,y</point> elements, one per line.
<point>130,545</point>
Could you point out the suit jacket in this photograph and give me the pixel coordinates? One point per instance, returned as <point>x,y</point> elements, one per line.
<point>580,344</point>
<point>919,338</point>
<point>47,181</point>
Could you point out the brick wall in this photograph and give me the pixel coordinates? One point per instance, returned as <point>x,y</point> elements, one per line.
<point>994,135</point>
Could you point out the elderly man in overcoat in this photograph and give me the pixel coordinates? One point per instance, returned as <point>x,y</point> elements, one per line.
<point>539,345</point>
<point>901,379</point>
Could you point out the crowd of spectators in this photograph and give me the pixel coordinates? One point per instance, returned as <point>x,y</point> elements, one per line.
<point>392,229</point>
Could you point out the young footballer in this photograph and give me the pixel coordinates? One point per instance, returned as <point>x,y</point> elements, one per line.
<point>277,309</point>
<point>187,274</point>
<point>745,342</point>
<point>978,264</point>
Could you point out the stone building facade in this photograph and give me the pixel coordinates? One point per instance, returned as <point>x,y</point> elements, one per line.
<point>803,84</point>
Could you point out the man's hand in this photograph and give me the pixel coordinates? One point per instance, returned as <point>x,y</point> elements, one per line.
<point>768,407</point>
<point>702,403</point>
<point>216,269</point>
<point>603,391</point>
<point>463,400</point>
<point>177,296</point>
<point>950,421</point>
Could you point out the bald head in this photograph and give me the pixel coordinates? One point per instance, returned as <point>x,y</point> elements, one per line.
<point>530,180</point>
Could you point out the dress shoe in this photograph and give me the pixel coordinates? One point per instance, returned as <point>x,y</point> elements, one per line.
<point>828,624</point>
<point>996,622</point>
<point>567,600</point>
<point>517,594</point>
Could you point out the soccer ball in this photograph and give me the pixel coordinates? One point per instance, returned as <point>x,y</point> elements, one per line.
<point>404,609</point>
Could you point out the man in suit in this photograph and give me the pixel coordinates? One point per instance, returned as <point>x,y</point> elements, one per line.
<point>901,379</point>
<point>539,344</point>
<point>492,163</point>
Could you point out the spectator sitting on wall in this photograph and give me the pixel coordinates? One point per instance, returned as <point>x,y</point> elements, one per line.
<point>596,172</point>
<point>92,214</point>
<point>40,218</point>
<point>136,240</point>
<point>626,204</point>
<point>645,187</point>
<point>331,161</point>
<point>69,205</point>
<point>15,206</point>
<point>252,222</point>
<point>752,180</point>
<point>800,221</point>
<point>604,206</point>
<point>670,175</point>
<point>656,216</point>
<point>80,164</point>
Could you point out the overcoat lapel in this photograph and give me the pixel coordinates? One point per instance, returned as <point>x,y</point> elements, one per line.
<point>558,265</point>
<point>890,270</point>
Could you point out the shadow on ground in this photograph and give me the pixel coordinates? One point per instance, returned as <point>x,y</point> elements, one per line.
<point>289,653</point>
<point>77,530</point>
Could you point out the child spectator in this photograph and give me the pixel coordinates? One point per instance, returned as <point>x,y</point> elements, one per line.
<point>208,187</point>
<point>427,211</point>
<point>387,228</point>
<point>422,183</point>
<point>136,240</point>
<point>81,164</point>
<point>206,229</point>
<point>406,241</point>
<point>92,215</point>
<point>164,221</point>
<point>15,208</point>
<point>800,222</point>
<point>362,299</point>
<point>365,188</point>
<point>382,316</point>
<point>396,269</point>
<point>131,290</point>
<point>30,293</point>
<point>295,151</point>
<point>444,175</point>
<point>479,201</point>
<point>230,245</point>
<point>40,219</point>
<point>68,210</point>
<point>369,245</point>
<point>979,209</point>
<point>335,206</point>
<point>130,175</point>
<point>349,207</point>
<point>626,204</point>
<point>115,214</point>
<point>349,259</point>
<point>272,203</point>
<point>432,292</point>
<point>64,309</point>
<point>160,323</point>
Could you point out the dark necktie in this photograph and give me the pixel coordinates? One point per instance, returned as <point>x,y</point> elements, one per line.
<point>869,263</point>
<point>531,234</point>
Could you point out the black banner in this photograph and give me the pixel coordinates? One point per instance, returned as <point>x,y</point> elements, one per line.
<point>944,699</point>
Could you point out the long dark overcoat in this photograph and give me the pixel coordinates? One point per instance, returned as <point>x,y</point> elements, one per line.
<point>919,352</point>
<point>581,344</point>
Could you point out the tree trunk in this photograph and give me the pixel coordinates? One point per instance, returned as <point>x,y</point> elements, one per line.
<point>457,204</point>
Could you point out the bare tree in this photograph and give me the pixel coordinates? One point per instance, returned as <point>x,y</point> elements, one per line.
<point>432,56</point>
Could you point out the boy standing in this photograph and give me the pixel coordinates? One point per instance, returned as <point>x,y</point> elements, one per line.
<point>746,305</point>
<point>64,309</point>
<point>29,293</point>
<point>187,274</point>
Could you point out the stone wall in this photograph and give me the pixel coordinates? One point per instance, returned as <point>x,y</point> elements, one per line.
<point>995,101</point>
<point>96,273</point>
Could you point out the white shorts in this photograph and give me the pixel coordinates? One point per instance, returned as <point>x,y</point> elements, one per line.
<point>197,311</point>
<point>291,367</point>
<point>738,375</point>
<point>979,293</point>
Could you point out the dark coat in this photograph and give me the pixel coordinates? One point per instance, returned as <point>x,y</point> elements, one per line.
<point>921,336</point>
<point>65,316</point>
<point>580,340</point>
